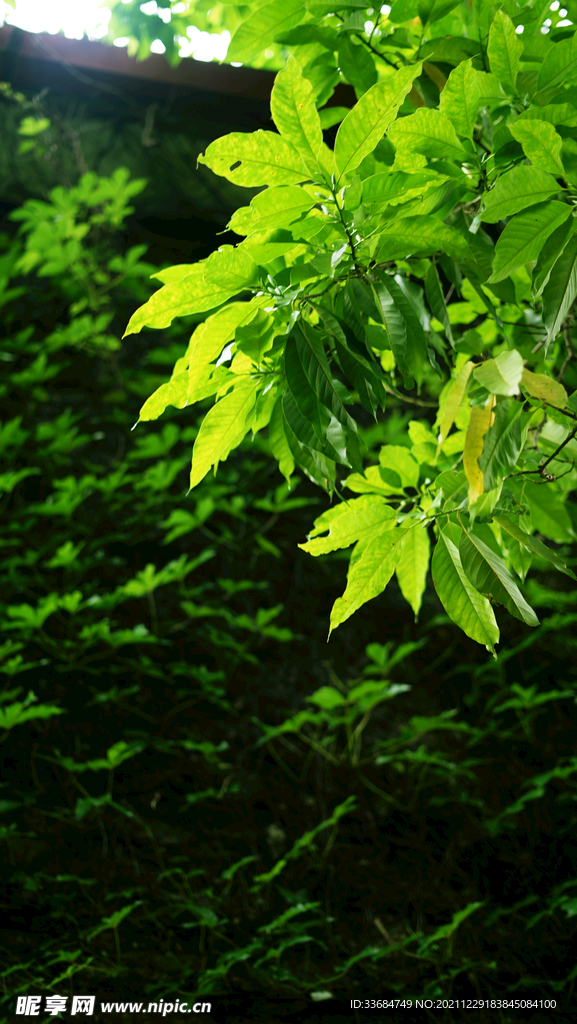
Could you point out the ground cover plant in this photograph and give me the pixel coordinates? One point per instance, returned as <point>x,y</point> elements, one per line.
<point>200,797</point>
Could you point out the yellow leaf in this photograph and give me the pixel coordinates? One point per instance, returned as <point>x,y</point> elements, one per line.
<point>539,385</point>
<point>481,419</point>
<point>454,399</point>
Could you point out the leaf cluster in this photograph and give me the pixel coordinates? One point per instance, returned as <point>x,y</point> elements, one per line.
<point>424,254</point>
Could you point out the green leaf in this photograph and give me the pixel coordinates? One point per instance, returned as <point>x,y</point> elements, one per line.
<point>406,335</point>
<point>333,446</point>
<point>255,338</point>
<point>413,565</point>
<point>294,112</point>
<point>317,466</point>
<point>428,132</point>
<point>519,556</point>
<point>545,388</point>
<point>308,33</point>
<point>490,576</point>
<point>330,116</point>
<point>176,391</point>
<point>396,461</point>
<point>317,393</point>
<point>356,64</point>
<point>172,275</point>
<point>16,714</point>
<point>436,300</point>
<point>554,113</point>
<point>354,362</point>
<point>446,931</point>
<point>222,429</point>
<point>261,28</point>
<point>278,441</point>
<point>501,376</point>
<point>518,188</point>
<point>503,442</point>
<point>301,376</point>
<point>424,234</point>
<point>210,283</point>
<point>549,255</point>
<point>395,187</point>
<point>211,337</point>
<point>276,207</point>
<point>323,74</point>
<point>403,10</point>
<point>558,69</point>
<point>348,523</point>
<point>549,515</point>
<point>365,125</point>
<point>534,545</point>
<point>460,98</point>
<point>260,158</point>
<point>524,237</point>
<point>504,49</point>
<point>373,562</point>
<point>114,920</point>
<point>190,295</point>
<point>485,503</point>
<point>434,10</point>
<point>462,602</point>
<point>560,291</point>
<point>265,253</point>
<point>541,144</point>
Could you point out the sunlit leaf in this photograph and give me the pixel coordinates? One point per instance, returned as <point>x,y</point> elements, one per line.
<point>261,27</point>
<point>427,132</point>
<point>541,144</point>
<point>504,49</point>
<point>517,189</point>
<point>209,283</point>
<point>260,158</point>
<point>462,602</point>
<point>524,237</point>
<point>222,429</point>
<point>349,522</point>
<point>413,566</point>
<point>365,124</point>
<point>501,376</point>
<point>422,234</point>
<point>558,69</point>
<point>294,112</point>
<point>534,545</point>
<point>490,576</point>
<point>372,564</point>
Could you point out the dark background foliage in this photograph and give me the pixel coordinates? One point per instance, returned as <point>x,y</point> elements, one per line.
<point>452,803</point>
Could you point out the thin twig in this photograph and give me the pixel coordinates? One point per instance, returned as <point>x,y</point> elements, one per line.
<point>406,398</point>
<point>548,477</point>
